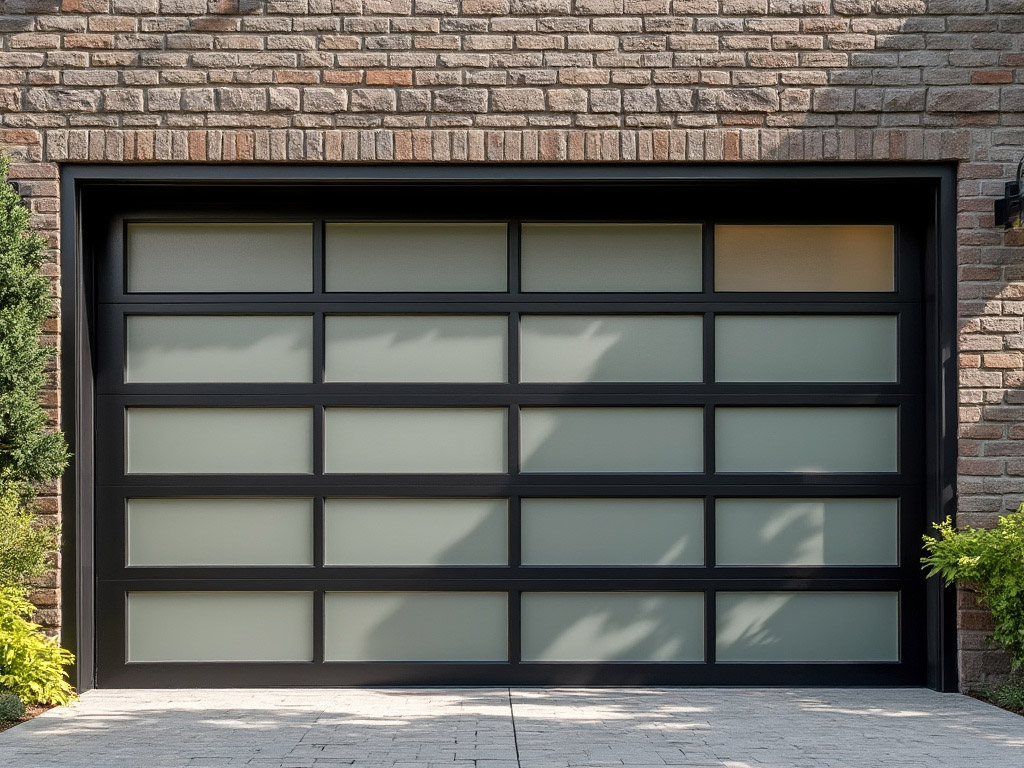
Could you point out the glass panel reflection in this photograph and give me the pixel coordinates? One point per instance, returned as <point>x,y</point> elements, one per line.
<point>612,439</point>
<point>203,348</point>
<point>417,348</point>
<point>416,440</point>
<point>416,626</point>
<point>808,626</point>
<point>613,626</point>
<point>613,531</point>
<point>831,439</point>
<point>806,531</point>
<point>585,348</point>
<point>416,531</point>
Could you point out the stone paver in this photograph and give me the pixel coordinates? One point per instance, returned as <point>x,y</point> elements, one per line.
<point>551,728</point>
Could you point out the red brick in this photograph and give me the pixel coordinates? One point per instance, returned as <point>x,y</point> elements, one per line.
<point>389,77</point>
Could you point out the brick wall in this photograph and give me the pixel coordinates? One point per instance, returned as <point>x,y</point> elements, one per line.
<point>559,81</point>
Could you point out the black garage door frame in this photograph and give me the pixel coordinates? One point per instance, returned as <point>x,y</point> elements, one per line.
<point>924,194</point>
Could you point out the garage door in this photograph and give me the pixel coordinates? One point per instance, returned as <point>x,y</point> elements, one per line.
<point>515,447</point>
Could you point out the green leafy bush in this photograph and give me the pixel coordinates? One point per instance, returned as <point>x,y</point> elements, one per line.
<point>1008,695</point>
<point>24,546</point>
<point>11,707</point>
<point>991,560</point>
<point>29,451</point>
<point>31,664</point>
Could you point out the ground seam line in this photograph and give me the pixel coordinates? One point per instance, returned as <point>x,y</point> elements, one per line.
<point>515,737</point>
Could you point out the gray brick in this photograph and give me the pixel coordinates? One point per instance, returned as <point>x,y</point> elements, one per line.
<point>460,100</point>
<point>963,99</point>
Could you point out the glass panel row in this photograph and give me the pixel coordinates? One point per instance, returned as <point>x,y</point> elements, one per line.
<point>555,532</point>
<point>472,257</point>
<point>238,440</point>
<point>473,626</point>
<point>474,348</point>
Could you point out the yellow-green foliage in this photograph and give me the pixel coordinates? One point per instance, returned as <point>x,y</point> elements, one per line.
<point>992,561</point>
<point>31,664</point>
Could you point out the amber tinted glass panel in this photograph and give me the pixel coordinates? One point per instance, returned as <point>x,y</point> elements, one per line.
<point>804,258</point>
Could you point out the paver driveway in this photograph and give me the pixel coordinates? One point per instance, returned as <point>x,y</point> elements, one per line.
<point>532,728</point>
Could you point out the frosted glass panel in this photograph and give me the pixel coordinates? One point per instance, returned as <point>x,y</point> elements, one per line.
<point>416,626</point>
<point>415,348</point>
<point>613,626</point>
<point>611,257</point>
<point>416,531</point>
<point>805,439</point>
<point>808,626</point>
<point>612,439</point>
<point>416,440</point>
<point>220,626</point>
<point>560,348</point>
<point>220,532</point>
<point>805,348</point>
<point>613,531</point>
<point>243,348</point>
<point>220,440</point>
<point>804,258</point>
<point>208,258</point>
<point>806,531</point>
<point>416,257</point>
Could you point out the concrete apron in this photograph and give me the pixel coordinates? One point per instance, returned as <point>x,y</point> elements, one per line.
<point>519,728</point>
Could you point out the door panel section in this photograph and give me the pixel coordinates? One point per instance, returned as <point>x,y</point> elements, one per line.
<point>497,450</point>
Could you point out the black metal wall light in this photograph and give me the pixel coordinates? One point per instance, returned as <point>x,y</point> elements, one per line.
<point>1010,210</point>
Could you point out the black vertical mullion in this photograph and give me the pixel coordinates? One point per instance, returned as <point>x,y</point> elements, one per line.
<point>319,544</point>
<point>710,612</point>
<point>710,562</point>
<point>319,366</point>
<point>515,626</point>
<point>708,257</point>
<point>515,536</point>
<point>514,260</point>
<point>319,256</point>
<point>898,268</point>
<point>709,441</point>
<point>910,527</point>
<point>319,416</point>
<point>114,284</point>
<point>708,350</point>
<point>515,539</point>
<point>318,626</point>
<point>513,373</point>
<point>710,626</point>
<point>710,558</point>
<point>319,347</point>
<point>319,318</point>
<point>513,442</point>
